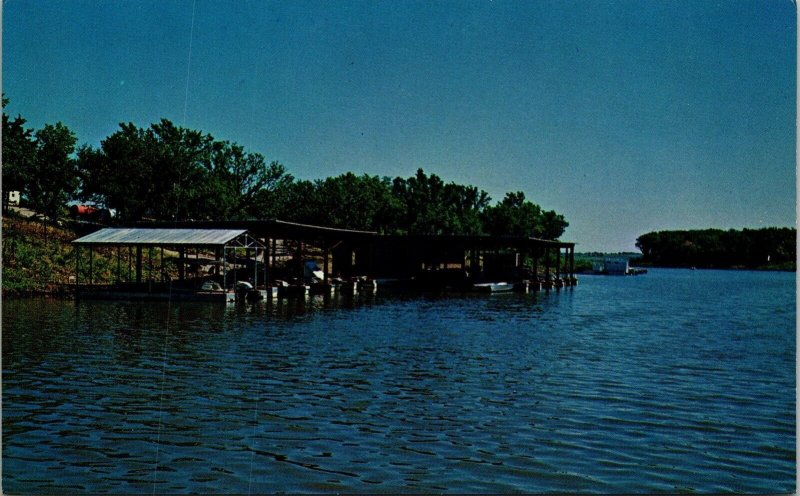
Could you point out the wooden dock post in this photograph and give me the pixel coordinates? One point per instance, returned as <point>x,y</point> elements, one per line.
<point>77,266</point>
<point>267,268</point>
<point>547,264</point>
<point>255,263</point>
<point>299,256</point>
<point>181,267</point>
<point>325,264</point>
<point>91,264</point>
<point>274,251</point>
<point>150,264</point>
<point>572,279</point>
<point>224,271</point>
<point>558,263</point>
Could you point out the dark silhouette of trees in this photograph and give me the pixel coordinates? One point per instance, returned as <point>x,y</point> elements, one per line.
<point>516,216</point>
<point>170,173</point>
<point>120,173</point>
<point>19,154</point>
<point>166,172</point>
<point>429,206</point>
<point>40,165</point>
<point>719,248</point>
<point>53,176</point>
<point>355,202</point>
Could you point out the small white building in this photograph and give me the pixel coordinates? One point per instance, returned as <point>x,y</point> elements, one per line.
<point>616,266</point>
<point>612,266</point>
<point>13,198</point>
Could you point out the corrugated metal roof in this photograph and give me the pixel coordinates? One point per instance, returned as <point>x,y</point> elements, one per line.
<point>167,237</point>
<point>269,228</point>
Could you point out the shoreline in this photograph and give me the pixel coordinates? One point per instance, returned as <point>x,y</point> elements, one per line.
<point>697,267</point>
<point>681,267</point>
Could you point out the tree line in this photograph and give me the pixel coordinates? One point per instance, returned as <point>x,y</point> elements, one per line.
<point>169,173</point>
<point>749,248</point>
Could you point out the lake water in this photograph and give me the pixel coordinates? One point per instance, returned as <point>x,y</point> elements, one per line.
<point>673,381</point>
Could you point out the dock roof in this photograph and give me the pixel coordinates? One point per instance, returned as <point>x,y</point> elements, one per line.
<point>161,237</point>
<point>485,241</point>
<point>274,228</point>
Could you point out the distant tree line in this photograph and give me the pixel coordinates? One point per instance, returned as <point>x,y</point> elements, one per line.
<point>748,248</point>
<point>170,173</point>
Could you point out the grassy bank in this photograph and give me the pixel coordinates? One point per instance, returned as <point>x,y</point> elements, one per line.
<point>37,258</point>
<point>40,259</point>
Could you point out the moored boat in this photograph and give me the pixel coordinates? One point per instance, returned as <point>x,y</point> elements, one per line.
<point>493,287</point>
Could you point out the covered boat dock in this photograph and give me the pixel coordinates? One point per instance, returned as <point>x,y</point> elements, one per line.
<point>231,248</point>
<point>453,260</point>
<point>267,253</point>
<point>347,253</point>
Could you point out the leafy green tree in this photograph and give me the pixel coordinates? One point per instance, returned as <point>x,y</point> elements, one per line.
<point>299,203</point>
<point>179,171</point>
<point>552,225</point>
<point>167,172</point>
<point>157,172</point>
<point>120,173</point>
<point>465,206</point>
<point>239,180</point>
<point>429,206</point>
<point>512,216</point>
<point>19,154</point>
<point>516,216</point>
<point>53,179</point>
<point>273,201</point>
<point>356,202</point>
<point>424,210</point>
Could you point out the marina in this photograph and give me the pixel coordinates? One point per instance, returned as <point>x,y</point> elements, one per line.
<point>228,261</point>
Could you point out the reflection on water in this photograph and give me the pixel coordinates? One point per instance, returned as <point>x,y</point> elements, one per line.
<point>675,381</point>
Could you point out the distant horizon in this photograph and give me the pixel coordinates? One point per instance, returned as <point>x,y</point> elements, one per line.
<point>626,118</point>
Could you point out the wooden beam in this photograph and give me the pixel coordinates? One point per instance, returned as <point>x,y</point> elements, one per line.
<point>547,263</point>
<point>138,264</point>
<point>325,265</point>
<point>181,264</point>
<point>572,262</point>
<point>267,268</point>
<point>77,266</point>
<point>558,263</point>
<point>150,264</point>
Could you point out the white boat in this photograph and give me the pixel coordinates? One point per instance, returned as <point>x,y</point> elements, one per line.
<point>211,286</point>
<point>493,287</point>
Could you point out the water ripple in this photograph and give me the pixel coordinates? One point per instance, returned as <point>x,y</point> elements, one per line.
<point>655,384</point>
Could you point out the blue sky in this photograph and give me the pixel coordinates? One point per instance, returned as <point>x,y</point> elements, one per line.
<point>625,116</point>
